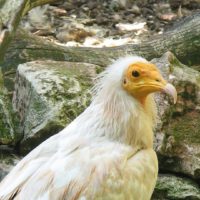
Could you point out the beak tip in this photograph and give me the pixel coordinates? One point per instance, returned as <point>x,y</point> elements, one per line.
<point>170,89</point>
<point>175,100</point>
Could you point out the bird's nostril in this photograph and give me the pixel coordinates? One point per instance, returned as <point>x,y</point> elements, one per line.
<point>158,80</point>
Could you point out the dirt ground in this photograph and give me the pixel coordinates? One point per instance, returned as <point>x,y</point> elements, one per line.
<point>106,23</point>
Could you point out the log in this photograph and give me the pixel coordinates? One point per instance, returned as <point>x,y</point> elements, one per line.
<point>183,41</point>
<point>11,12</point>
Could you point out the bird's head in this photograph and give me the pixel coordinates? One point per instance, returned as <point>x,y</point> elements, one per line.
<point>142,78</point>
<point>133,75</point>
<point>122,95</point>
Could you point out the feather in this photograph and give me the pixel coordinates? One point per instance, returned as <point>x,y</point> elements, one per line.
<point>104,154</point>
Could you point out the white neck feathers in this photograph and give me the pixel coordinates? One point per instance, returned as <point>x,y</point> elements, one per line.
<point>124,119</point>
<point>115,114</point>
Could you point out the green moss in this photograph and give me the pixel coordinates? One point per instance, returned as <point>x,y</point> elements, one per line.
<point>9,133</point>
<point>51,127</point>
<point>61,91</point>
<point>171,187</point>
<point>1,80</point>
<point>186,128</point>
<point>175,62</point>
<point>70,77</point>
<point>74,93</point>
<point>71,110</point>
<point>99,69</point>
<point>7,158</point>
<point>35,114</point>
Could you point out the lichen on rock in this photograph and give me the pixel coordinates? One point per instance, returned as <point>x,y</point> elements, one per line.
<point>178,137</point>
<point>8,119</point>
<point>48,95</point>
<point>171,187</point>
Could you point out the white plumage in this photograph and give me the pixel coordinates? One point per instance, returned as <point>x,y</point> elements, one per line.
<point>104,154</point>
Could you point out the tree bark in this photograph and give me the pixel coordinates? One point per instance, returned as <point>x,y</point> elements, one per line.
<point>183,41</point>
<point>11,12</point>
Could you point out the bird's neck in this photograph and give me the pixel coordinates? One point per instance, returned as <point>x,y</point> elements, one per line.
<point>124,119</point>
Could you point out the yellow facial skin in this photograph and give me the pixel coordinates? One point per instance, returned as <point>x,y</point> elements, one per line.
<point>141,79</point>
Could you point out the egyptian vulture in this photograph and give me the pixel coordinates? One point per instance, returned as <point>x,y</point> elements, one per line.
<point>106,153</point>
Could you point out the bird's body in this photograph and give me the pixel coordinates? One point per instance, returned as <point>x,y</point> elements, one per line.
<point>104,154</point>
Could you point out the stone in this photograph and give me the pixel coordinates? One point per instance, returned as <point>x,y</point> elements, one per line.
<point>118,4</point>
<point>48,95</point>
<point>177,137</point>
<point>68,6</point>
<point>73,34</point>
<point>91,5</point>
<point>8,119</point>
<point>7,160</point>
<point>136,10</point>
<point>171,187</point>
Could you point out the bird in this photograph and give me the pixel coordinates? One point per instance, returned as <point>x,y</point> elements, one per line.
<point>106,153</point>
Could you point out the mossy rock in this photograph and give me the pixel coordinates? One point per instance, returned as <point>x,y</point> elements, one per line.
<point>170,187</point>
<point>48,95</point>
<point>178,137</point>
<point>8,119</point>
<point>7,160</point>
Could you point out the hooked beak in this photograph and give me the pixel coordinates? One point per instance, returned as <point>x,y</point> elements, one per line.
<point>170,89</point>
<point>147,80</point>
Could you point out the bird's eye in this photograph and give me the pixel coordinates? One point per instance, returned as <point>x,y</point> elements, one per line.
<point>135,73</point>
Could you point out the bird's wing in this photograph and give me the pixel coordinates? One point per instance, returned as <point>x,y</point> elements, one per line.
<point>12,183</point>
<point>84,170</point>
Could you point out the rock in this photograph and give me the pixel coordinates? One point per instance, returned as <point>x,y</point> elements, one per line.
<point>6,128</point>
<point>73,34</point>
<point>7,161</point>
<point>116,18</point>
<point>190,4</point>
<point>37,19</point>
<point>118,4</point>
<point>101,20</point>
<point>171,187</point>
<point>48,95</point>
<point>92,5</point>
<point>167,16</point>
<point>177,138</point>
<point>8,119</point>
<point>136,10</point>
<point>131,27</point>
<point>68,6</point>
